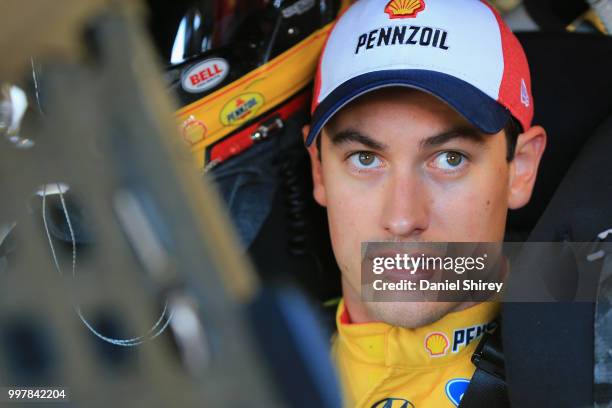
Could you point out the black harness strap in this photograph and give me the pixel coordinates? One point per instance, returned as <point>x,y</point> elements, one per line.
<point>488,385</point>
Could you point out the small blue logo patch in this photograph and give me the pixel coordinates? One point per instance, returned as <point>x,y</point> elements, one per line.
<point>455,389</point>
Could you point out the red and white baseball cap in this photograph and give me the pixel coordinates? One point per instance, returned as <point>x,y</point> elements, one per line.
<point>458,50</point>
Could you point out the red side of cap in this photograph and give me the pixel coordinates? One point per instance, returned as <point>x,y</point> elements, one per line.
<point>515,89</point>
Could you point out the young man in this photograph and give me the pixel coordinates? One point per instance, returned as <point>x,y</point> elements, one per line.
<point>422,119</point>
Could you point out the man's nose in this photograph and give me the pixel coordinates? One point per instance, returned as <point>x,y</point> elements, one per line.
<point>406,206</point>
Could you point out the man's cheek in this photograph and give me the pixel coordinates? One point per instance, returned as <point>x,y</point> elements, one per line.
<point>349,226</point>
<point>346,245</point>
<point>457,217</point>
<point>344,221</point>
<point>483,219</point>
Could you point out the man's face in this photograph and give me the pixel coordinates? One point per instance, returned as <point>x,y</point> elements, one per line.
<point>400,165</point>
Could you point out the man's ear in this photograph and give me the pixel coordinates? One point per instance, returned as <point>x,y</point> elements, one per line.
<point>530,146</point>
<point>317,171</point>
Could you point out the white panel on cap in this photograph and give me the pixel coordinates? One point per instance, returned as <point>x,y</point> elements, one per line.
<point>473,37</point>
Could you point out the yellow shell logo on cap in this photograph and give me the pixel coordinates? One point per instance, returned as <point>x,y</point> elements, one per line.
<point>404,8</point>
<point>436,344</point>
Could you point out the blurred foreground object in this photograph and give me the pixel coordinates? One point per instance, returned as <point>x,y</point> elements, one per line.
<point>162,243</point>
<point>45,27</point>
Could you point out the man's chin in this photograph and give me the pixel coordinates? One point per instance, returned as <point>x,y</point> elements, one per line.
<point>409,315</point>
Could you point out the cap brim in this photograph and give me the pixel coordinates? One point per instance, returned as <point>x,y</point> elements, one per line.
<point>478,108</point>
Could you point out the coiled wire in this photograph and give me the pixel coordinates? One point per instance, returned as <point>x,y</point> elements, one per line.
<point>295,205</point>
<point>157,329</point>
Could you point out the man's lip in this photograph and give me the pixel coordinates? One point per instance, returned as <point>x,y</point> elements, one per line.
<point>393,254</point>
<point>403,274</point>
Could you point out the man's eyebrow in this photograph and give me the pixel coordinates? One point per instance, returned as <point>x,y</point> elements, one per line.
<point>462,132</point>
<point>350,135</point>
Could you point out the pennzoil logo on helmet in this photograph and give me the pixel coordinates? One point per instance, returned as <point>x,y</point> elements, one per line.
<point>404,8</point>
<point>241,108</point>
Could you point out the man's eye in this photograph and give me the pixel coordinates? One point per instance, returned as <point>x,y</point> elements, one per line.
<point>365,160</point>
<point>449,160</point>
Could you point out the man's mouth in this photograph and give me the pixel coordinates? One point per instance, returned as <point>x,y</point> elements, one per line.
<point>396,275</point>
<point>405,265</point>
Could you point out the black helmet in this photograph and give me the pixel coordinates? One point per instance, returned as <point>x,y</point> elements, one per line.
<point>238,66</point>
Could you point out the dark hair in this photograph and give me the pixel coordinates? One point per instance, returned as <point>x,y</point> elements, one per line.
<point>512,131</point>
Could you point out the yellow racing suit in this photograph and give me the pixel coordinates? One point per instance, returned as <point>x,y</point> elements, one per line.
<point>383,366</point>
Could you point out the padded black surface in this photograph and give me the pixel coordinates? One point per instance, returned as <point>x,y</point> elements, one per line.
<point>549,346</point>
<point>572,88</point>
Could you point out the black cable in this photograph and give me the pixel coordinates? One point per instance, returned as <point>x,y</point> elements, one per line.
<point>295,204</point>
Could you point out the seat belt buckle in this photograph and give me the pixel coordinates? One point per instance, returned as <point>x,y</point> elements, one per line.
<point>489,356</point>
